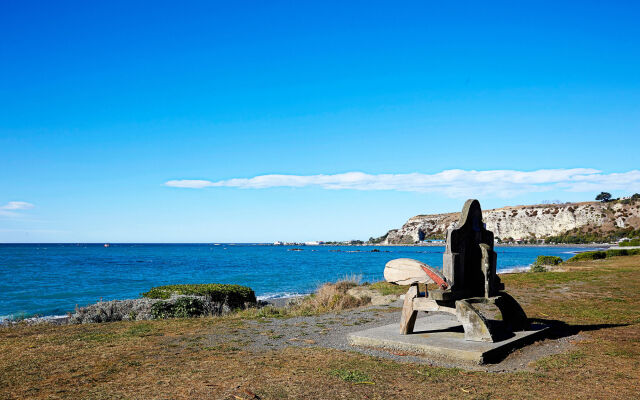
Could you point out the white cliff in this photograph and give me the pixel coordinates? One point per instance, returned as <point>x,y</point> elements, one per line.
<point>530,222</point>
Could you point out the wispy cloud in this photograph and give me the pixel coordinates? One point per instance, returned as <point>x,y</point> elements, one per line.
<point>452,183</point>
<point>10,209</point>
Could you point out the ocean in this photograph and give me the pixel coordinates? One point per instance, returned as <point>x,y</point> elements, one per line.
<point>51,279</point>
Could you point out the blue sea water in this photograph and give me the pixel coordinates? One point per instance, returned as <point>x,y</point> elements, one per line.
<point>51,279</point>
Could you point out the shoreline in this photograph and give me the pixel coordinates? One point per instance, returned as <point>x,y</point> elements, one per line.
<point>281,299</point>
<point>278,302</point>
<point>586,245</point>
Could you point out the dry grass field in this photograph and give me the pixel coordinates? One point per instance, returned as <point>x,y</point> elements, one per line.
<point>166,359</point>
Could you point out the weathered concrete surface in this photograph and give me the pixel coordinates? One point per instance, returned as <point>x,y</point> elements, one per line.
<point>442,336</point>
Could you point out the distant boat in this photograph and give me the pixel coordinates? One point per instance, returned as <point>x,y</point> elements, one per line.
<point>107,245</point>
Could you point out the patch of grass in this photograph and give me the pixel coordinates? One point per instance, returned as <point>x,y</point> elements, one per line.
<point>99,337</point>
<point>437,373</point>
<point>264,312</point>
<point>222,348</point>
<point>614,299</point>
<point>386,288</point>
<point>545,279</point>
<point>349,375</point>
<point>560,361</point>
<point>140,330</point>
<point>621,353</point>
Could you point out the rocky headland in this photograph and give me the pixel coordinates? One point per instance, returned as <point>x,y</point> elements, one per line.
<point>583,222</point>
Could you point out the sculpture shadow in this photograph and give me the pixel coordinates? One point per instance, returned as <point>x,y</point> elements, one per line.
<point>560,329</point>
<point>502,334</point>
<point>557,330</point>
<point>454,329</point>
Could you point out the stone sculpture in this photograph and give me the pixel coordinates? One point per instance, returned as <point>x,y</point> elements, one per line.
<point>467,286</point>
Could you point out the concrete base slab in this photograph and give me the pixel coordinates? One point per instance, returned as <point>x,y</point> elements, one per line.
<point>441,335</point>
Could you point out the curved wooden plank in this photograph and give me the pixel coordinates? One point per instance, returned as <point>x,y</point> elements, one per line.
<point>406,271</point>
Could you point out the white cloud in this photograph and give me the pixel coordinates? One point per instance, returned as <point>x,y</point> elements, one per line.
<point>9,209</point>
<point>17,205</point>
<point>452,183</point>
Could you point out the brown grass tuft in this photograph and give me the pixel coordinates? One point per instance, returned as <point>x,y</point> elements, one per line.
<point>333,297</point>
<point>330,297</point>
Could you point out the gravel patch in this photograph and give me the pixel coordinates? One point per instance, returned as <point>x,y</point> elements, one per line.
<point>331,331</point>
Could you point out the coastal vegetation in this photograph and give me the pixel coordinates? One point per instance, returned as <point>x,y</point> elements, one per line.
<point>183,307</point>
<point>631,242</point>
<point>216,291</point>
<point>603,197</point>
<point>599,255</point>
<point>171,301</point>
<point>542,262</point>
<point>329,297</point>
<point>579,236</point>
<point>593,307</point>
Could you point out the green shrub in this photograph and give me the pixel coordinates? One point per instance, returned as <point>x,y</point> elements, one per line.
<point>598,255</point>
<point>213,291</point>
<point>537,268</point>
<point>616,252</point>
<point>588,255</point>
<point>548,260</point>
<point>183,307</point>
<point>577,236</point>
<point>541,261</point>
<point>632,242</point>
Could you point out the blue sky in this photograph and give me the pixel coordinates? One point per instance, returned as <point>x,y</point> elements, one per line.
<point>109,112</point>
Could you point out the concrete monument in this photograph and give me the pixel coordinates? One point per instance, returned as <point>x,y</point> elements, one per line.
<point>468,286</point>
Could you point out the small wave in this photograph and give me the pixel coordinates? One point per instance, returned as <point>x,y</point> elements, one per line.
<point>12,318</point>
<point>283,295</point>
<point>522,268</point>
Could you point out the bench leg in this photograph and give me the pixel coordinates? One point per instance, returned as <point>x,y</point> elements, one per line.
<point>512,313</point>
<point>408,318</point>
<point>476,327</point>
